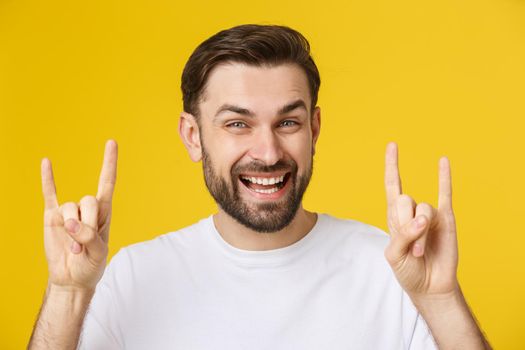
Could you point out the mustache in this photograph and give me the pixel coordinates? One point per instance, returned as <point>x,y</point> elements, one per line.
<point>258,167</point>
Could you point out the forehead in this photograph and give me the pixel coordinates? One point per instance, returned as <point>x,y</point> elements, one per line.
<point>255,86</point>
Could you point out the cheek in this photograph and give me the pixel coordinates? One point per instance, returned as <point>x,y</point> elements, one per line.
<point>300,149</point>
<point>225,143</point>
<point>224,155</point>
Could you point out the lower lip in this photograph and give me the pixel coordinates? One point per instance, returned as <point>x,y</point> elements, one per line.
<point>274,195</point>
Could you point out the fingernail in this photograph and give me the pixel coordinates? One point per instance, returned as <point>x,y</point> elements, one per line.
<point>75,247</point>
<point>72,225</point>
<point>420,221</point>
<point>418,250</point>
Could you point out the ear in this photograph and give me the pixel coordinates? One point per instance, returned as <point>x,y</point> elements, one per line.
<point>190,134</point>
<point>316,127</point>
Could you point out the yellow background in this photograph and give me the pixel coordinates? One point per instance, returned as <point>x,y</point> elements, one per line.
<point>439,77</point>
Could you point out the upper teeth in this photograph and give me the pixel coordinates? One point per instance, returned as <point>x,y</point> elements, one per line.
<point>264,180</point>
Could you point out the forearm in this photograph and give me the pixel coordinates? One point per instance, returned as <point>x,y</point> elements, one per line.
<point>451,322</point>
<point>60,320</point>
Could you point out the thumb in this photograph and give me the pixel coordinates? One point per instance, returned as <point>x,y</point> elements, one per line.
<point>399,245</point>
<point>86,236</point>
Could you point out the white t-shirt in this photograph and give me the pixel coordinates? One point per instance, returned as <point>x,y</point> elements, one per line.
<point>190,289</point>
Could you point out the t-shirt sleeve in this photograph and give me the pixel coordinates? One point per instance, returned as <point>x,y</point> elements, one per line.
<point>101,329</point>
<point>422,338</point>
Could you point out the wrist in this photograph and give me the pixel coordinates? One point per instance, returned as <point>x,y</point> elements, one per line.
<point>68,300</point>
<point>450,301</point>
<point>58,289</point>
<point>450,320</point>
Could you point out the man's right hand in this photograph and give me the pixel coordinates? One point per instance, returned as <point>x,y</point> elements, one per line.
<point>76,234</point>
<point>76,244</point>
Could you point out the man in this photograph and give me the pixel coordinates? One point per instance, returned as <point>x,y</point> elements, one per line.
<point>262,273</point>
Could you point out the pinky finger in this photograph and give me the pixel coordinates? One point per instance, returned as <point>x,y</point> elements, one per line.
<point>445,185</point>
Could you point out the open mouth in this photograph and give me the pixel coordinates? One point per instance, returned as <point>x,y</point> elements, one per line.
<point>266,185</point>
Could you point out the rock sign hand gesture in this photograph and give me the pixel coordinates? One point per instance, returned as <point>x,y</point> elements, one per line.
<point>76,235</point>
<point>423,251</point>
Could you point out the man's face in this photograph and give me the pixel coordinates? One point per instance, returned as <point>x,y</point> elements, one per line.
<point>257,136</point>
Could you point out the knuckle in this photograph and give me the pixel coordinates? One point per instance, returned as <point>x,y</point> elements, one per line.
<point>425,209</point>
<point>390,181</point>
<point>425,206</point>
<point>392,256</point>
<point>69,205</point>
<point>87,235</point>
<point>54,218</point>
<point>421,240</point>
<point>405,199</point>
<point>88,200</point>
<point>68,209</point>
<point>408,231</point>
<point>394,226</point>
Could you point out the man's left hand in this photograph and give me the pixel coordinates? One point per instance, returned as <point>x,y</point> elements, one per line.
<point>423,250</point>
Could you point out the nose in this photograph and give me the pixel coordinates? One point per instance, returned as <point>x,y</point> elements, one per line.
<point>266,147</point>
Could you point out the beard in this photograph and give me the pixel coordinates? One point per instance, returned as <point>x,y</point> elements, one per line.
<point>259,217</point>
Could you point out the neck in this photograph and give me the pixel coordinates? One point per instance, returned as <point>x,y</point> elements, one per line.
<point>244,238</point>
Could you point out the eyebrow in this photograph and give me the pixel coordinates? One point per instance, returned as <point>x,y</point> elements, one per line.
<point>246,112</point>
<point>292,106</point>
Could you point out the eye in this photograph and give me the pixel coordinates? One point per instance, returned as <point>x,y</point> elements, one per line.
<point>237,125</point>
<point>288,123</point>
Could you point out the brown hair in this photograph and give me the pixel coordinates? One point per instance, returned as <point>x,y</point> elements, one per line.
<point>252,44</point>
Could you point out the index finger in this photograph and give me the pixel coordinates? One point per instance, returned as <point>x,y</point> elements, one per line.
<point>392,179</point>
<point>108,174</point>
<point>48,185</point>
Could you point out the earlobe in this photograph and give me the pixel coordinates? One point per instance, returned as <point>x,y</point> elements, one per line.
<point>189,133</point>
<point>316,127</point>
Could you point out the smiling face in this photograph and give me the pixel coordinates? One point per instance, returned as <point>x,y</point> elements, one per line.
<point>257,136</point>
